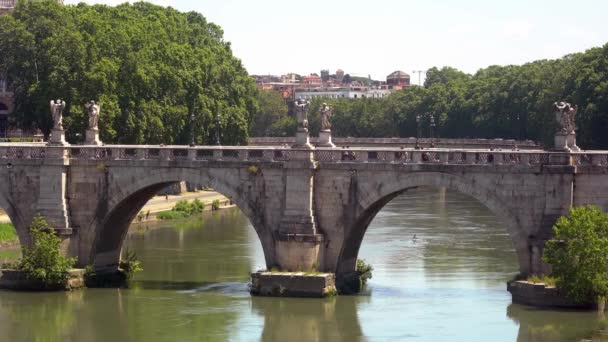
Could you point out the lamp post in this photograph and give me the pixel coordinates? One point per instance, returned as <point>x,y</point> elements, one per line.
<point>192,130</point>
<point>418,118</point>
<point>432,129</point>
<point>217,129</point>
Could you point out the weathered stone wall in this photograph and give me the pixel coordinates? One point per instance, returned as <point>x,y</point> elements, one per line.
<point>527,199</point>
<point>309,209</point>
<point>108,196</point>
<point>405,142</point>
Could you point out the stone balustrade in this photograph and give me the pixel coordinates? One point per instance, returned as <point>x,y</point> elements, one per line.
<point>322,155</point>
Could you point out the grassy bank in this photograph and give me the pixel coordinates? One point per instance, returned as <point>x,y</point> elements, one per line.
<point>185,209</point>
<point>7,233</point>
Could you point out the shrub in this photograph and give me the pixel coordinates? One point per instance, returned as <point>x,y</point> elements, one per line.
<point>215,205</point>
<point>43,261</point>
<point>183,206</point>
<point>196,207</point>
<point>254,170</point>
<point>364,270</point>
<point>171,215</point>
<point>578,254</point>
<point>542,279</point>
<point>130,264</point>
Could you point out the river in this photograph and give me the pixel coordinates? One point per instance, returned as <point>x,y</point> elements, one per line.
<point>447,284</point>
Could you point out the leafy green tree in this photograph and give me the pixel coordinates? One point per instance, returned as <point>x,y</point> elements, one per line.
<point>272,108</point>
<point>578,253</point>
<point>43,261</point>
<point>150,67</point>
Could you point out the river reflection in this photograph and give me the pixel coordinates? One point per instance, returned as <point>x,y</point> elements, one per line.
<point>447,284</point>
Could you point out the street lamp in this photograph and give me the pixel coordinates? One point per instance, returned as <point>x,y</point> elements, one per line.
<point>432,129</point>
<point>217,129</point>
<point>192,130</point>
<point>418,118</point>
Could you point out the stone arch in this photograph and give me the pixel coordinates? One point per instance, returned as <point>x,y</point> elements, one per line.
<point>16,219</point>
<point>378,192</point>
<point>127,195</point>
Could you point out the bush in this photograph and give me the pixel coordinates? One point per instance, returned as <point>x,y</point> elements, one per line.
<point>215,205</point>
<point>578,254</point>
<point>171,215</point>
<point>364,270</point>
<point>183,206</point>
<point>196,207</point>
<point>542,279</point>
<point>43,261</point>
<point>130,264</point>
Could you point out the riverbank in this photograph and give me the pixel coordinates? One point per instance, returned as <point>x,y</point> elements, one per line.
<point>9,241</point>
<point>161,204</point>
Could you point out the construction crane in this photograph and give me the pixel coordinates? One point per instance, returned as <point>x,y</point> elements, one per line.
<point>420,72</point>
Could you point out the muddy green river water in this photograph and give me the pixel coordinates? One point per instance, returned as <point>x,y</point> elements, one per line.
<point>448,284</point>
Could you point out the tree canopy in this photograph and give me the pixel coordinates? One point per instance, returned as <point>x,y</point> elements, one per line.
<point>510,102</point>
<point>150,67</point>
<point>578,253</point>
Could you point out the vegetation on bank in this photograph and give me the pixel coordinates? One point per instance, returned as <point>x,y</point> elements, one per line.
<point>184,209</point>
<point>7,233</point>
<point>542,279</point>
<point>42,261</point>
<point>130,264</point>
<point>365,271</point>
<point>578,254</point>
<point>150,67</point>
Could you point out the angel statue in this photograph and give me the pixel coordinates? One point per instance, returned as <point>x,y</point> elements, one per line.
<point>57,112</point>
<point>301,109</point>
<point>93,110</point>
<point>326,113</point>
<point>565,114</point>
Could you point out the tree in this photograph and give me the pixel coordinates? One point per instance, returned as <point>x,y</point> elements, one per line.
<point>42,261</point>
<point>578,253</point>
<point>272,109</point>
<point>150,68</point>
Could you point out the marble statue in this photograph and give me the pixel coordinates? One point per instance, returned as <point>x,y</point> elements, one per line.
<point>326,114</point>
<point>93,110</point>
<point>57,112</point>
<point>565,114</point>
<point>301,110</point>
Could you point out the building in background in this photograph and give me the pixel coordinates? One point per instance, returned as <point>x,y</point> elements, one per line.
<point>398,78</point>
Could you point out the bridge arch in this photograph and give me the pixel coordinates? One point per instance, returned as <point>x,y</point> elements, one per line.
<point>376,192</point>
<point>12,211</point>
<point>128,194</point>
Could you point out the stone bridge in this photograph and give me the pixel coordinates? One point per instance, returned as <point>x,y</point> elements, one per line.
<point>309,207</point>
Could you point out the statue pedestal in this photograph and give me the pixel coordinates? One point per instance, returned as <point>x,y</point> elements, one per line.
<point>571,143</point>
<point>302,139</point>
<point>92,137</point>
<point>58,137</point>
<point>325,139</point>
<point>560,142</point>
<point>565,142</point>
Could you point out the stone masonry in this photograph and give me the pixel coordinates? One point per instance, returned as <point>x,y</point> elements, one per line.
<point>310,208</point>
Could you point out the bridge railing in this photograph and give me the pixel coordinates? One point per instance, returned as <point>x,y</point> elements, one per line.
<point>322,155</point>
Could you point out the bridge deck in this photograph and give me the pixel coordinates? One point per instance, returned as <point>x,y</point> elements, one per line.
<point>12,151</point>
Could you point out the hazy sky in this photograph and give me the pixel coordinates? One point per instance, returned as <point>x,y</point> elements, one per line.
<point>379,36</point>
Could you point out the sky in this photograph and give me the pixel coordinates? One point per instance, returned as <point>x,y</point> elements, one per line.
<point>377,37</point>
